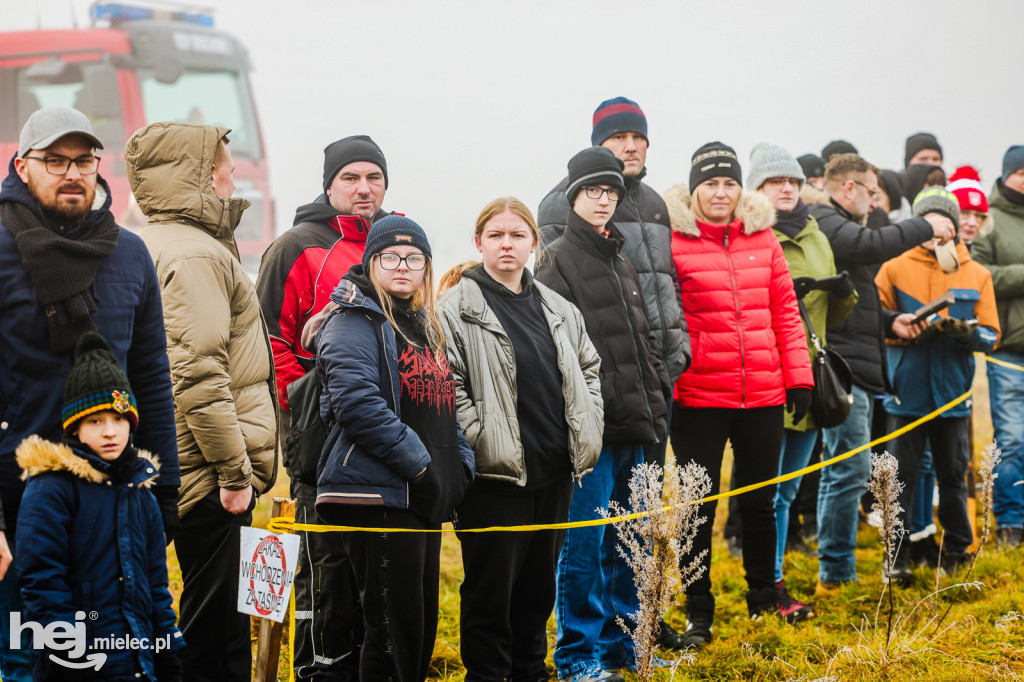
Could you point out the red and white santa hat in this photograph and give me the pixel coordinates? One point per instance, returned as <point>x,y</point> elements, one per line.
<point>965,184</point>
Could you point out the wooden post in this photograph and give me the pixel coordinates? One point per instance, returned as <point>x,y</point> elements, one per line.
<point>972,482</point>
<point>268,643</point>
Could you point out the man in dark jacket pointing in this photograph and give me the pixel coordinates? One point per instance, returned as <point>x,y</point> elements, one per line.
<point>852,184</point>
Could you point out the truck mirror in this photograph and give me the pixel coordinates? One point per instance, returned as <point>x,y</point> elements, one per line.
<point>100,94</point>
<point>168,69</point>
<point>51,69</point>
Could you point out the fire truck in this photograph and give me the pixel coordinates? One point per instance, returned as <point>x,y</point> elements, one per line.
<point>134,65</point>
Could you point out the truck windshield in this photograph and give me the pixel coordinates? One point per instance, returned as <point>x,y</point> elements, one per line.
<point>219,98</point>
<point>89,87</point>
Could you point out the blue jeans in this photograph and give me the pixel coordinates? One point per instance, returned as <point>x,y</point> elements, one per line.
<point>1006,397</point>
<point>797,447</point>
<point>842,485</point>
<point>921,513</point>
<point>15,664</point>
<point>594,585</point>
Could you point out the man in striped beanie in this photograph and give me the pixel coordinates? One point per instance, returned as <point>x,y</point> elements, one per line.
<point>642,219</point>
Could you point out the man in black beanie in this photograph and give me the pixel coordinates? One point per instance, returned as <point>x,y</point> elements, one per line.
<point>922,148</point>
<point>297,275</point>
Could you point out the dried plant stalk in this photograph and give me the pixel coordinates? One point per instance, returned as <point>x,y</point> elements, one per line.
<point>652,544</point>
<point>886,486</point>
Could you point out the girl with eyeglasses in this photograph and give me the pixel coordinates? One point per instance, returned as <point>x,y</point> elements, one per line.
<point>395,456</point>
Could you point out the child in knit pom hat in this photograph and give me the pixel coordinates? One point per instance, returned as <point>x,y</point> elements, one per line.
<point>90,536</point>
<point>931,371</point>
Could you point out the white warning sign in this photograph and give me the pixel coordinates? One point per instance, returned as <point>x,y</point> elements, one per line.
<point>267,571</point>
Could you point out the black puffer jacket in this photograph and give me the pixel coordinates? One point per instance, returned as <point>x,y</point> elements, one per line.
<point>642,219</point>
<point>592,274</point>
<point>861,251</point>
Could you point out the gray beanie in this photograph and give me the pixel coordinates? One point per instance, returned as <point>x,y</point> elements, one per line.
<point>771,161</point>
<point>938,200</point>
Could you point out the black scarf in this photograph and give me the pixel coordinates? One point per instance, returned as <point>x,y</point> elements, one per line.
<point>1013,196</point>
<point>62,268</point>
<point>790,223</point>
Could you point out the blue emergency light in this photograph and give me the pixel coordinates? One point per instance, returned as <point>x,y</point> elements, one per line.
<point>117,12</point>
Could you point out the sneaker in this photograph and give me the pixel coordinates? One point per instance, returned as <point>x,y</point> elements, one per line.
<point>735,547</point>
<point>595,674</point>
<point>924,552</point>
<point>901,573</point>
<point>951,562</point>
<point>1009,538</point>
<point>700,614</point>
<point>792,610</point>
<point>875,519</point>
<point>668,638</point>
<point>830,588</point>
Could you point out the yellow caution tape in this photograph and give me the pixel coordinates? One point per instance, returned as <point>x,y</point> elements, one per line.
<point>284,524</point>
<point>1001,363</point>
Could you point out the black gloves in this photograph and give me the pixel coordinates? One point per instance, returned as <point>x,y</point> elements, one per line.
<point>842,288</point>
<point>167,498</point>
<point>840,285</point>
<point>798,402</point>
<point>803,285</point>
<point>960,330</point>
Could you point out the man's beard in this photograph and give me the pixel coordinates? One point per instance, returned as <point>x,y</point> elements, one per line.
<point>67,212</point>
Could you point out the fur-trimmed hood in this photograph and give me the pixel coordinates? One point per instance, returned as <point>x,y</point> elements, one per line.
<point>754,210</point>
<point>812,195</point>
<point>37,456</point>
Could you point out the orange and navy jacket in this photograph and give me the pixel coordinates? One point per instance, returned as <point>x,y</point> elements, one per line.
<point>931,373</point>
<point>297,275</point>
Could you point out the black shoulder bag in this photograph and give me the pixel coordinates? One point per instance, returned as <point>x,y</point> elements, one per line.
<point>831,397</point>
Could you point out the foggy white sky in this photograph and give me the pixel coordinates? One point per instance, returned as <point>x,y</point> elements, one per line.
<point>475,100</point>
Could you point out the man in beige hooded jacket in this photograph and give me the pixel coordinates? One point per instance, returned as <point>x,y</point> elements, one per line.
<point>222,374</point>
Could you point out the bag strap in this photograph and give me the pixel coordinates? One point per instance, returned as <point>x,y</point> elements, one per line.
<point>807,322</point>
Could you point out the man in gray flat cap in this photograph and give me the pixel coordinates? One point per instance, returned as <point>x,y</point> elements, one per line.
<point>67,268</point>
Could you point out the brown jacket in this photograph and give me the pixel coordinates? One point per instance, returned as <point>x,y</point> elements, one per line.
<point>222,370</point>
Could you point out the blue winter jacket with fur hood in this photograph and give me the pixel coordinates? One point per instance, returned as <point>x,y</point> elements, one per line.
<point>371,456</point>
<point>87,542</point>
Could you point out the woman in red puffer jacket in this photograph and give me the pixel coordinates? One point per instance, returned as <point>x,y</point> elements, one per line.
<point>749,360</point>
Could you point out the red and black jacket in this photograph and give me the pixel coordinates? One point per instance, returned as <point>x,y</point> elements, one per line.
<point>297,275</point>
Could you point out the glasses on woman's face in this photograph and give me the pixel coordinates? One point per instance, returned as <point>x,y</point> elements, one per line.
<point>391,261</point>
<point>596,192</point>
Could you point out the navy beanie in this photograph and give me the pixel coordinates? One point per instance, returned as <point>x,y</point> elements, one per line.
<point>619,115</point>
<point>714,160</point>
<point>348,150</point>
<point>393,230</point>
<point>1013,160</point>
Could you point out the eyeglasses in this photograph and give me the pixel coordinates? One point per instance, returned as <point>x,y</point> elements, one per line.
<point>596,192</point>
<point>59,165</point>
<point>874,194</point>
<point>391,261</point>
<point>781,182</point>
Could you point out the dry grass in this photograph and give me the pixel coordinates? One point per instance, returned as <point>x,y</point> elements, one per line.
<point>981,638</point>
